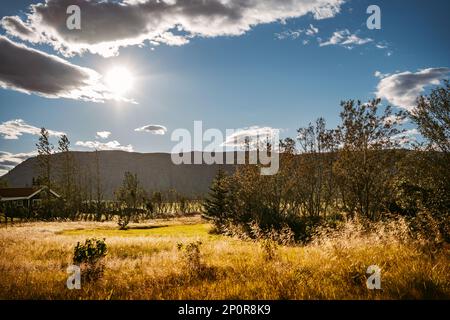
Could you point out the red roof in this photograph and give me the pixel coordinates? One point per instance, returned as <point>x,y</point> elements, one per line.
<point>17,192</point>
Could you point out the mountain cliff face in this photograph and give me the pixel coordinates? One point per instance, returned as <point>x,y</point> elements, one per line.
<point>155,171</point>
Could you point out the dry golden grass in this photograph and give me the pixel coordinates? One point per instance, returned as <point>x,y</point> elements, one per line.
<point>34,258</point>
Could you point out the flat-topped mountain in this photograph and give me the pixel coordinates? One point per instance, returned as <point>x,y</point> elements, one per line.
<point>155,171</point>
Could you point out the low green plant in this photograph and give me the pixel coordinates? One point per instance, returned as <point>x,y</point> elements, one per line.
<point>90,257</point>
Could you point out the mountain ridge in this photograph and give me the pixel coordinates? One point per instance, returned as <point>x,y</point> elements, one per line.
<point>155,171</point>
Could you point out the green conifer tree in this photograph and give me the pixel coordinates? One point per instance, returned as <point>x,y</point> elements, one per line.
<point>216,203</point>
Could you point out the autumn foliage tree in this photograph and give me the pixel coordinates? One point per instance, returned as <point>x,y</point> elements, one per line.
<point>366,157</point>
<point>424,182</point>
<point>432,118</point>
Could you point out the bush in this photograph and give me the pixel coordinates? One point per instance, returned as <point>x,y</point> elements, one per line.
<point>430,229</point>
<point>192,261</point>
<point>123,222</point>
<point>191,256</point>
<point>89,256</point>
<point>269,248</point>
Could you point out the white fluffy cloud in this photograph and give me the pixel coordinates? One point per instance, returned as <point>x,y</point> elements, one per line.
<point>110,145</point>
<point>103,134</point>
<point>402,89</point>
<point>32,71</point>
<point>108,25</point>
<point>327,11</point>
<point>153,129</point>
<point>13,129</point>
<point>345,39</point>
<point>9,160</point>
<point>255,136</point>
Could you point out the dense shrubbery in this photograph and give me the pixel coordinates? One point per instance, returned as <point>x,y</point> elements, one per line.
<point>360,170</point>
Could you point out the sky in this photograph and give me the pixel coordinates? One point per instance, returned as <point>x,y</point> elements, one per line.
<point>139,69</point>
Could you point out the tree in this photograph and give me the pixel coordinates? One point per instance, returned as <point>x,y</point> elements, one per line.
<point>45,151</point>
<point>316,187</point>
<point>216,204</point>
<point>366,158</point>
<point>67,175</point>
<point>98,188</point>
<point>425,173</point>
<point>157,202</point>
<point>432,117</point>
<point>287,146</point>
<point>131,196</point>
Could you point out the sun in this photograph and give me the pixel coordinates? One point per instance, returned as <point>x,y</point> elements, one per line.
<point>119,81</point>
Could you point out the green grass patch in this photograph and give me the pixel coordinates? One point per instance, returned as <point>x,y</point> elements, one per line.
<point>189,230</point>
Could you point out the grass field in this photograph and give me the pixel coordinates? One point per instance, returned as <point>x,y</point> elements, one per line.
<point>144,263</point>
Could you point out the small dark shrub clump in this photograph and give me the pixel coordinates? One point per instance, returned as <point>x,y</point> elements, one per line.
<point>123,222</point>
<point>190,256</point>
<point>192,261</point>
<point>90,257</point>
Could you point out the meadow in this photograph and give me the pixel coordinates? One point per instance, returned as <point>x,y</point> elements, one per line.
<point>144,262</point>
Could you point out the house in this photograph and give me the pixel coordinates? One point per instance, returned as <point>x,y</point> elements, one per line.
<point>25,197</point>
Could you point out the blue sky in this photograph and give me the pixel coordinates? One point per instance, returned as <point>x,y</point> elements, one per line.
<point>266,77</point>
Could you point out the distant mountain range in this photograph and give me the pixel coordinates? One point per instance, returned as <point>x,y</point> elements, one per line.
<point>155,171</point>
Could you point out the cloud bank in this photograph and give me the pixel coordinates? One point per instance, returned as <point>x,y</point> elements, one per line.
<point>108,25</point>
<point>31,71</point>
<point>402,89</point>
